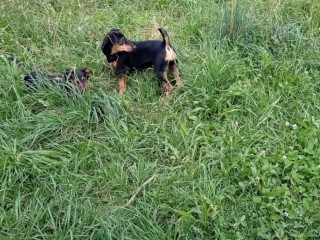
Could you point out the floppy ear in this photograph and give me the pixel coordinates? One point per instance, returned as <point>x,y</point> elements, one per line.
<point>106,44</point>
<point>86,71</point>
<point>14,60</point>
<point>106,48</point>
<point>108,41</point>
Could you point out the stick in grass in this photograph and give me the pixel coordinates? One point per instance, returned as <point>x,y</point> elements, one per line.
<point>136,193</point>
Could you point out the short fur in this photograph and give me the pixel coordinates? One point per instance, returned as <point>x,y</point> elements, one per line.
<point>141,54</point>
<point>78,77</point>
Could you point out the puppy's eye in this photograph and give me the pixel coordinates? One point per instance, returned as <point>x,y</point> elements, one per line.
<point>121,42</point>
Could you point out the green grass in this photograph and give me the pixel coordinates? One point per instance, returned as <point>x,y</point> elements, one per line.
<point>235,151</point>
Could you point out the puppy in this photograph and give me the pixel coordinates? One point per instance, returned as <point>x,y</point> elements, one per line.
<point>13,60</point>
<point>79,78</point>
<point>126,56</point>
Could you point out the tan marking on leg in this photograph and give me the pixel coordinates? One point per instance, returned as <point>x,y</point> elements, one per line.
<point>114,64</point>
<point>166,85</point>
<point>176,74</point>
<point>122,83</point>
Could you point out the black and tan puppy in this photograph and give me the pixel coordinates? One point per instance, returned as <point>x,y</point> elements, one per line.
<point>79,78</point>
<point>126,56</point>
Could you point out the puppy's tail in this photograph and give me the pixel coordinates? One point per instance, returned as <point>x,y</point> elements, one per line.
<point>170,53</point>
<point>165,36</point>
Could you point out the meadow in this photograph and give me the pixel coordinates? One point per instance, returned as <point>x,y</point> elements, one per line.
<point>234,153</point>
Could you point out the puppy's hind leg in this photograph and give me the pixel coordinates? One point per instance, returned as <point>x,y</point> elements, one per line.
<point>161,71</point>
<point>173,67</point>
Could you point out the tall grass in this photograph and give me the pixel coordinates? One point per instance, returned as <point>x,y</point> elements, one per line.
<point>235,151</point>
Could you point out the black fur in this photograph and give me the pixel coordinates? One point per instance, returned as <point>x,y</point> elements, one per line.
<point>144,54</point>
<point>77,77</point>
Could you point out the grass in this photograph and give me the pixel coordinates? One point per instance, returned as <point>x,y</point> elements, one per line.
<point>235,151</point>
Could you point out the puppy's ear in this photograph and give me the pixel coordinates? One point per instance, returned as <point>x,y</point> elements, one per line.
<point>106,44</point>
<point>109,40</point>
<point>86,71</point>
<point>14,60</point>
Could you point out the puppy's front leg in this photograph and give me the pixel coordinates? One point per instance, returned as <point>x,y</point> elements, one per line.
<point>122,83</point>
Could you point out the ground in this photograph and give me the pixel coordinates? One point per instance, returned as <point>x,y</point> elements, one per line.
<point>234,151</point>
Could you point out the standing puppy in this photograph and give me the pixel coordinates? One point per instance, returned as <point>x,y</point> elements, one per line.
<point>126,56</point>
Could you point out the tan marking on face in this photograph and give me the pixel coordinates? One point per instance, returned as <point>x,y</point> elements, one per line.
<point>88,71</point>
<point>121,48</point>
<point>122,84</point>
<point>170,54</point>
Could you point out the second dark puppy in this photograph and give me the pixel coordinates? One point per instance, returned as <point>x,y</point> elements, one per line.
<point>125,56</point>
<point>79,78</point>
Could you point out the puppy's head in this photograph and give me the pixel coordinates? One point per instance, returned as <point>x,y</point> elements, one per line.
<point>115,42</point>
<point>13,60</point>
<point>79,77</point>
